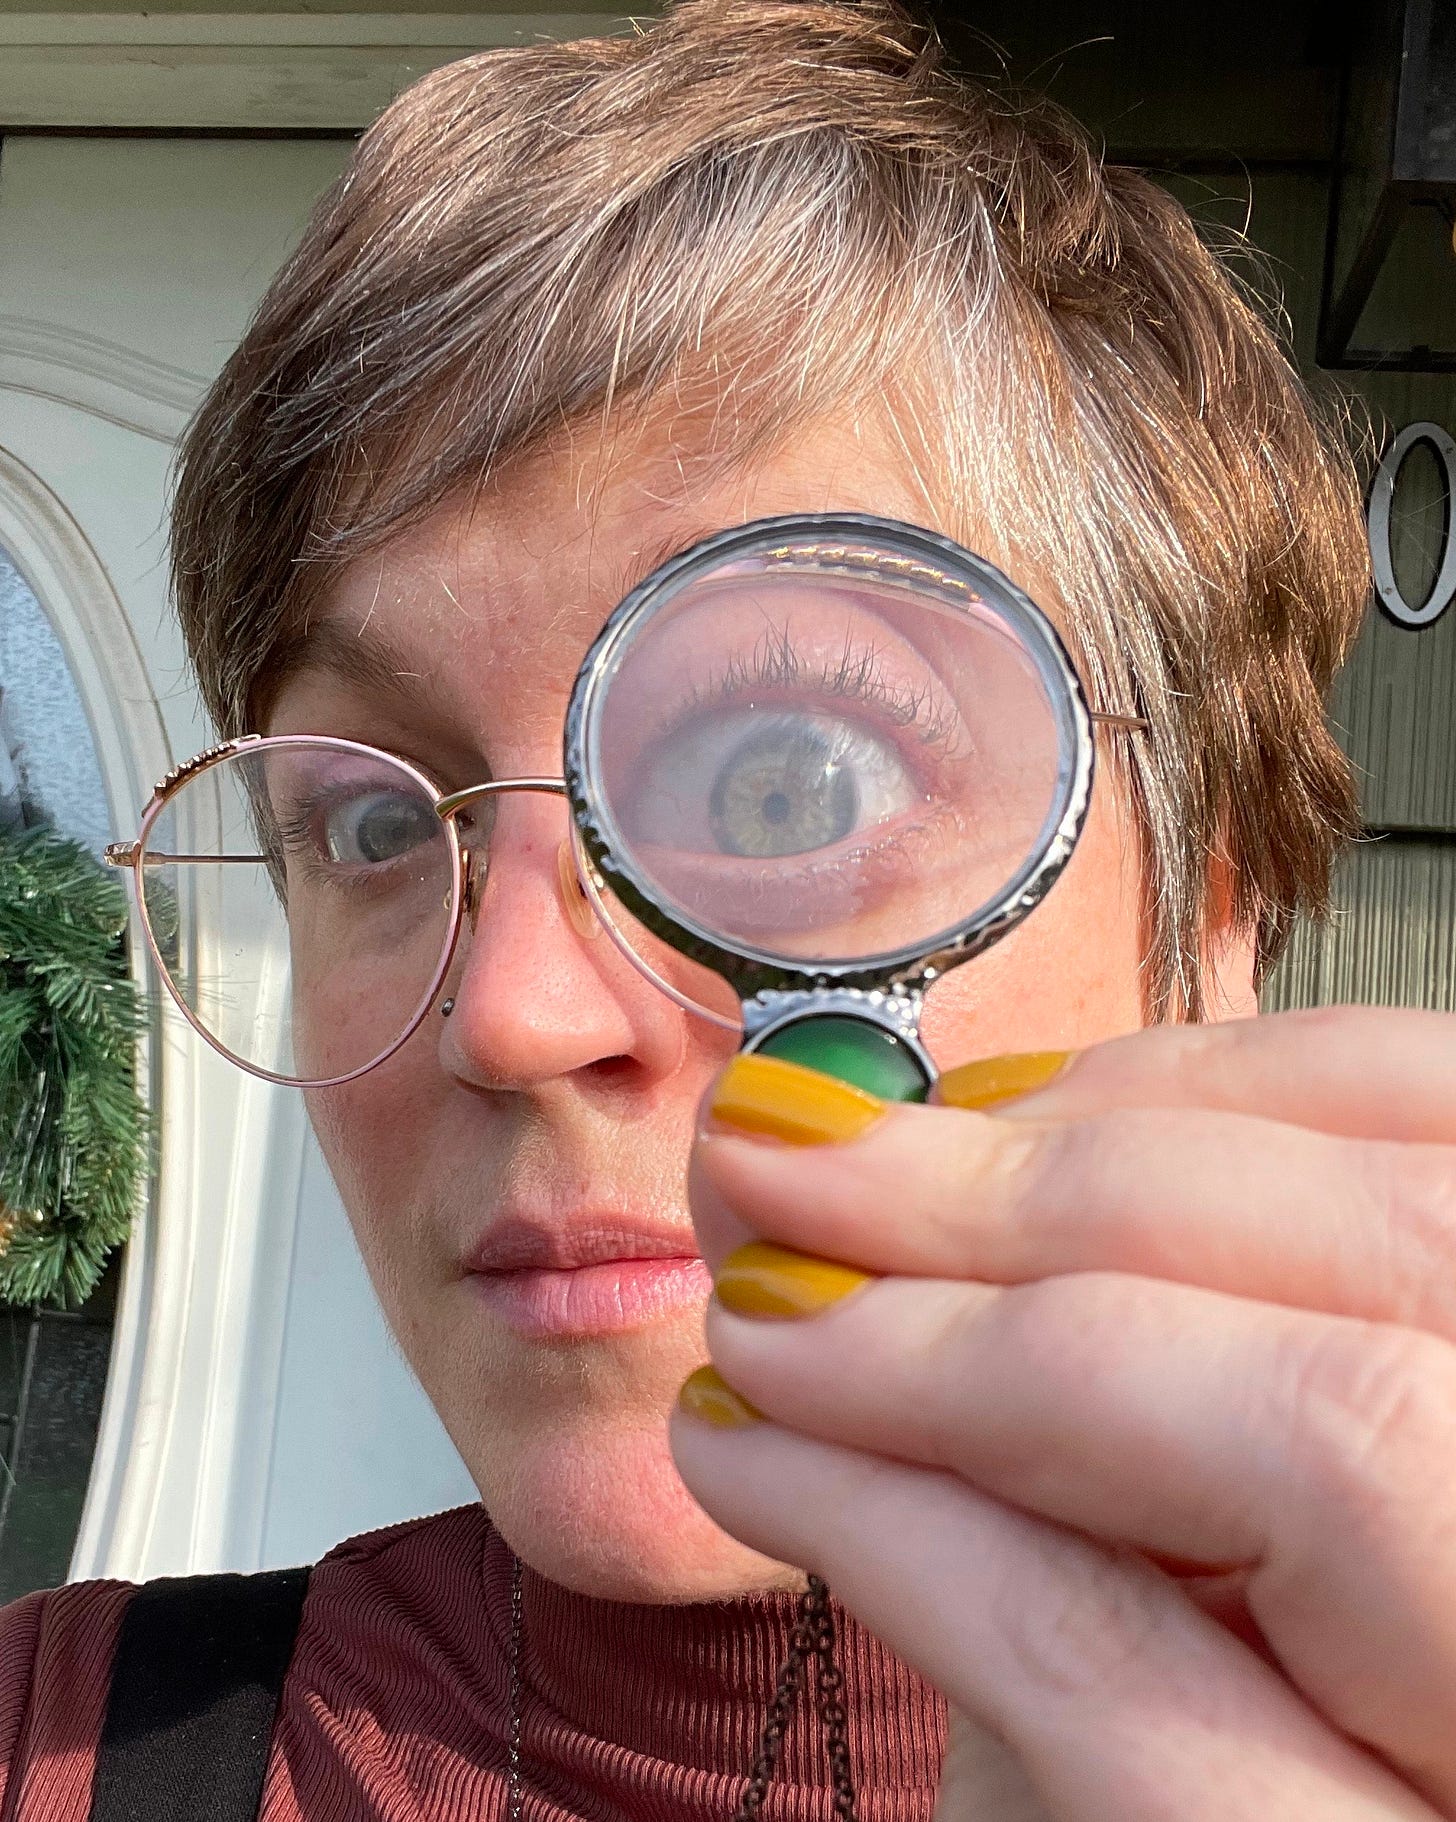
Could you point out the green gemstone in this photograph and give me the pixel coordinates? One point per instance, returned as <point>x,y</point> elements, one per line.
<point>853,1050</point>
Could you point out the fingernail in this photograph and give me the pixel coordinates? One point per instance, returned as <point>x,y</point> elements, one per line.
<point>1001,1078</point>
<point>763,1280</point>
<point>773,1099</point>
<point>707,1394</point>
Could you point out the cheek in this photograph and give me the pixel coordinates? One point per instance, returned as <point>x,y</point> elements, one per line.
<point>376,1136</point>
<point>1069,976</point>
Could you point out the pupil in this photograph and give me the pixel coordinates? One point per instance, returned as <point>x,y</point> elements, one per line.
<point>776,807</point>
<point>382,836</point>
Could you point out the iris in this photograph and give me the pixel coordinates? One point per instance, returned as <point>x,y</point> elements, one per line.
<point>784,789</point>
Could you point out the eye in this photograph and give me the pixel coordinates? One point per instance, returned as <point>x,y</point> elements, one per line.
<point>762,784</point>
<point>376,827</point>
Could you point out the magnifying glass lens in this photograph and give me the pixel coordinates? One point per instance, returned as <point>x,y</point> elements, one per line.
<point>827,756</point>
<point>693,985</point>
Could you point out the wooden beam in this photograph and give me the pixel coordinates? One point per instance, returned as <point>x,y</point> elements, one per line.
<point>242,71</point>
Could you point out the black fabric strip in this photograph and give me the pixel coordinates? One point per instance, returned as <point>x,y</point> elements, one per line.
<point>200,1662</point>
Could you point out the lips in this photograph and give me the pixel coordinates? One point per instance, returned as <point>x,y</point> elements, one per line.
<point>516,1243</point>
<point>586,1277</point>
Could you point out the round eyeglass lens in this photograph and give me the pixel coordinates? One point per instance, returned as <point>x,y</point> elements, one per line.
<point>299,894</point>
<point>829,754</point>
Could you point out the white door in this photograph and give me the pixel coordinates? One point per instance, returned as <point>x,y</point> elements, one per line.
<point>257,1410</point>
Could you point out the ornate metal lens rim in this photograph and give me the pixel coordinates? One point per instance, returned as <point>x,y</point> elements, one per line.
<point>751,971</point>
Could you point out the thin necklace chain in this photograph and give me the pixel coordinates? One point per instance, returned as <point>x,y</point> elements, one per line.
<point>514,1750</point>
<point>813,1637</point>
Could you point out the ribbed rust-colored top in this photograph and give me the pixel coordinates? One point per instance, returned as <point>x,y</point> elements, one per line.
<point>396,1705</point>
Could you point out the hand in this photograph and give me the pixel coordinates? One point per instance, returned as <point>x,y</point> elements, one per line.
<point>1139,1437</point>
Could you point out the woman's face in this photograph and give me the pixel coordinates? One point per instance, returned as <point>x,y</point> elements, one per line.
<point>558,1100</point>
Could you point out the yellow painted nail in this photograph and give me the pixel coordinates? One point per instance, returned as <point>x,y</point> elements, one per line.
<point>779,1100</point>
<point>707,1394</point>
<point>1001,1078</point>
<point>763,1280</point>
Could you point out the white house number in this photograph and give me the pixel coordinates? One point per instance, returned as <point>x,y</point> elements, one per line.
<point>1382,493</point>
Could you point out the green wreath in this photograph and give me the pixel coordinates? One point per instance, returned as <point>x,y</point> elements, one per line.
<point>73,1130</point>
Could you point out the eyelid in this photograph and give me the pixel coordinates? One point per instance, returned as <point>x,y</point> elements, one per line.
<point>772,673</point>
<point>462,767</point>
<point>858,674</point>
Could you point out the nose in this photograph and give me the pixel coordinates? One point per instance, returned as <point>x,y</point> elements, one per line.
<point>539,994</point>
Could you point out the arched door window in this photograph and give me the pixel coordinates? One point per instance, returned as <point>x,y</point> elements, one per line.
<point>53,1363</point>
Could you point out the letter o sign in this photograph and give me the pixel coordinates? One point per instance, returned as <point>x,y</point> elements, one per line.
<point>1382,493</point>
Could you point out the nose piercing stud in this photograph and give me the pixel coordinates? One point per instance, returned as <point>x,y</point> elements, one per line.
<point>578,907</point>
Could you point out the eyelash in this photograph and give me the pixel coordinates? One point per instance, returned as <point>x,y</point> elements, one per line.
<point>296,835</point>
<point>856,676</point>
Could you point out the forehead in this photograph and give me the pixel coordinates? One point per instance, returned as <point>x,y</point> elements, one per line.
<point>495,600</point>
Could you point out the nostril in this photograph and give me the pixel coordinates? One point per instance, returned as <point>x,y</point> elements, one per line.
<point>617,1071</point>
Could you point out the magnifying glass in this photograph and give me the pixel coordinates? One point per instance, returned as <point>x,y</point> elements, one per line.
<point>826,758</point>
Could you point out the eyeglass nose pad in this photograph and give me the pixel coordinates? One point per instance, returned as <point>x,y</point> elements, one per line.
<point>580,913</point>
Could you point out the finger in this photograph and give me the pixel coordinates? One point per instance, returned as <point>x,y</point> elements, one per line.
<point>1364,1071</point>
<point>1228,1201</point>
<point>982,1778</point>
<point>1117,1697</point>
<point>1313,1450</point>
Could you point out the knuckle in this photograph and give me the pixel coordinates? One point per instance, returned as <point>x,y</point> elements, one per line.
<point>949,1172</point>
<point>1037,1326</point>
<point>1091,1622</point>
<point>1413,1189</point>
<point>1332,1024</point>
<point>1042,1335</point>
<point>950,1334</point>
<point>1070,1170</point>
<point>1084,1188</point>
<point>1376,1424</point>
<point>1058,1328</point>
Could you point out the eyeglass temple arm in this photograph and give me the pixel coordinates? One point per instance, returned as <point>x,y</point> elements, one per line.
<point>128,853</point>
<point>462,800</point>
<point>124,854</point>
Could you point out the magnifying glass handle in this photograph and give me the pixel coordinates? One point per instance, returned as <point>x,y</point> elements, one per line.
<point>853,1048</point>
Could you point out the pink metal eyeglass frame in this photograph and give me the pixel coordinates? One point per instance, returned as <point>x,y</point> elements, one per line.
<point>134,855</point>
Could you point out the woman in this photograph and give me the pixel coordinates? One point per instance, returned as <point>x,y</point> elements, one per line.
<point>1122,1412</point>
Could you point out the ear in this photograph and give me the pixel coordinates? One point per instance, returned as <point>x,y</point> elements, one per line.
<point>1230,956</point>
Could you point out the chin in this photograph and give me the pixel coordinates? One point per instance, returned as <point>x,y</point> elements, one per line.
<point>608,1515</point>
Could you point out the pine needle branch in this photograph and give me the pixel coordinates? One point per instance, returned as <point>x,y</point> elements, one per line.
<point>74,1135</point>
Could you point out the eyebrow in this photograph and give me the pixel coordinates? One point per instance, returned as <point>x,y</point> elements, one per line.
<point>652,557</point>
<point>371,660</point>
<point>358,655</point>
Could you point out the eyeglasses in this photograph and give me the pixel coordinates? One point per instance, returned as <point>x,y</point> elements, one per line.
<point>815,754</point>
<point>303,898</point>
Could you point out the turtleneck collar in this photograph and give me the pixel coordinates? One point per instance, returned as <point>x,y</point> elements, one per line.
<point>689,1687</point>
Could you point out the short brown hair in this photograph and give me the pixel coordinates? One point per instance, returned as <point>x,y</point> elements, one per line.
<point>803,202</point>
